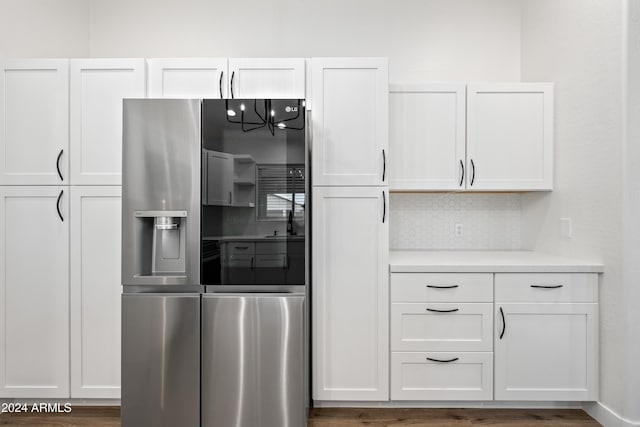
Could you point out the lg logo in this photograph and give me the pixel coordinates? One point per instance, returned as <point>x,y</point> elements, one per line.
<point>289,109</point>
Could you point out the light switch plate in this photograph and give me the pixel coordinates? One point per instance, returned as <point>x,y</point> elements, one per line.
<point>566,228</point>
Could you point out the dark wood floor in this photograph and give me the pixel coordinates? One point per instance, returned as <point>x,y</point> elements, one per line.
<point>333,417</point>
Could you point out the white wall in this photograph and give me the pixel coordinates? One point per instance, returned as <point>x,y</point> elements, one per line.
<point>631,210</point>
<point>578,44</point>
<point>44,28</point>
<point>424,39</point>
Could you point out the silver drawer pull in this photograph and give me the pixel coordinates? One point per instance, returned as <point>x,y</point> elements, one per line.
<point>442,361</point>
<point>546,286</point>
<point>442,287</point>
<point>443,311</point>
<point>241,247</point>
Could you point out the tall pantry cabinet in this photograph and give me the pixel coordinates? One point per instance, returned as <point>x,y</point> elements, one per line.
<point>350,229</point>
<point>60,152</point>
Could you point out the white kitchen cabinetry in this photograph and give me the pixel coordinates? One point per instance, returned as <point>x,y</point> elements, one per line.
<point>34,292</point>
<point>427,137</point>
<point>510,136</point>
<point>95,292</point>
<point>97,89</point>
<point>546,343</point>
<point>350,294</point>
<point>441,336</point>
<point>268,78</point>
<point>499,139</point>
<point>188,78</point>
<point>34,122</point>
<point>209,78</point>
<point>350,121</point>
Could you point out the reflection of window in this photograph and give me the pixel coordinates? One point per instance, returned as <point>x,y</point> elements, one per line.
<point>280,189</point>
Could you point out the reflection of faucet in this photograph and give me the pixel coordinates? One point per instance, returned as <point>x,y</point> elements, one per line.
<point>290,224</point>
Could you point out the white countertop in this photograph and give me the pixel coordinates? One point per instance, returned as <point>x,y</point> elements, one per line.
<point>487,261</point>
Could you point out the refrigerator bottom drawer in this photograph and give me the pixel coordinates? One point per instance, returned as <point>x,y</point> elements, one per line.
<point>253,361</point>
<point>161,360</point>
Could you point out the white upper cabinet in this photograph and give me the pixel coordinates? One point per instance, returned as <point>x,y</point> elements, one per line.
<point>427,137</point>
<point>350,121</point>
<point>34,122</point>
<point>97,89</point>
<point>267,78</point>
<point>510,136</point>
<point>351,287</point>
<point>95,292</point>
<point>34,292</point>
<point>188,78</point>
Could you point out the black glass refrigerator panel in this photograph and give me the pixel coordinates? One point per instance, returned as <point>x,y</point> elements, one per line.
<point>254,180</point>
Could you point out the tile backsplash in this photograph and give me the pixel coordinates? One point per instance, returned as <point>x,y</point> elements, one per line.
<point>428,221</point>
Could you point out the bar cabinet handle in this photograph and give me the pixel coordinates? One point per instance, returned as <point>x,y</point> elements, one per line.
<point>453,310</point>
<point>546,286</point>
<point>443,361</point>
<point>58,205</point>
<point>58,164</point>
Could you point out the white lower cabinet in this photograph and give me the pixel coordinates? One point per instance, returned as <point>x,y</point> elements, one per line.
<point>546,350</point>
<point>442,376</point>
<point>441,336</point>
<point>34,292</point>
<point>95,292</point>
<point>350,324</point>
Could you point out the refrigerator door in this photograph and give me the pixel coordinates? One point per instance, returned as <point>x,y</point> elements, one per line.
<point>161,369</point>
<point>253,369</point>
<point>161,192</point>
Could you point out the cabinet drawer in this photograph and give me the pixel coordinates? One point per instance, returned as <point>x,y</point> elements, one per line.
<point>441,287</point>
<point>442,327</point>
<point>273,247</point>
<point>240,248</point>
<point>442,376</point>
<point>547,287</point>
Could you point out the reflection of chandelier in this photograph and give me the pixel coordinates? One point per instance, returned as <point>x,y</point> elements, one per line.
<point>266,119</point>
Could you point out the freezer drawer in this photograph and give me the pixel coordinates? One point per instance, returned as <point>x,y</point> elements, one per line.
<point>253,369</point>
<point>161,360</point>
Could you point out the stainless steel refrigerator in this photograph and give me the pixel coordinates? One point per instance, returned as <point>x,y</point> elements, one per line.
<point>215,263</point>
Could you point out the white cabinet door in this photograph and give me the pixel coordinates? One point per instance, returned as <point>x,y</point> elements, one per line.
<point>98,87</point>
<point>95,292</point>
<point>34,292</point>
<point>427,137</point>
<point>350,121</point>
<point>34,121</point>
<point>510,136</point>
<point>188,78</point>
<point>267,78</point>
<point>546,352</point>
<point>351,293</point>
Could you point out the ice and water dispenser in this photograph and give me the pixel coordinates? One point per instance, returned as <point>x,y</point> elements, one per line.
<point>161,241</point>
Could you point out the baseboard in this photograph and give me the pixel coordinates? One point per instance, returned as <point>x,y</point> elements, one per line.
<point>607,416</point>
<point>448,404</point>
